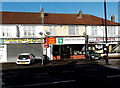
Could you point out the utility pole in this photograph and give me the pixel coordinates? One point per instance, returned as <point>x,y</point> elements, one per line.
<point>106,46</point>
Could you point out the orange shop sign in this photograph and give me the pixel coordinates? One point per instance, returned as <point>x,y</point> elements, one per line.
<point>51,40</point>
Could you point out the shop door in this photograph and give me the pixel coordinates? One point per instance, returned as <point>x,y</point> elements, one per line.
<point>65,52</point>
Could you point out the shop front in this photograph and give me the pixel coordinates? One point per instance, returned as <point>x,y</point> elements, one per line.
<point>11,48</point>
<point>66,48</point>
<point>99,44</point>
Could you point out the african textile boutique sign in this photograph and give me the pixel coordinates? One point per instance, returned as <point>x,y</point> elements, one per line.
<point>72,40</point>
<point>69,40</point>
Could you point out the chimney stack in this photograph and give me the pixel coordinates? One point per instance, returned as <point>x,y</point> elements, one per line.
<point>80,14</point>
<point>113,18</point>
<point>42,15</point>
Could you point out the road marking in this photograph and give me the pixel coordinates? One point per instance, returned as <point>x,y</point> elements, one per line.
<point>67,71</point>
<point>41,74</point>
<point>44,73</point>
<point>41,84</point>
<point>112,76</point>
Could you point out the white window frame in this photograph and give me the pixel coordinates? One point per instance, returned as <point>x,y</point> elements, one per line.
<point>52,30</point>
<point>76,30</point>
<point>72,31</point>
<point>94,30</point>
<point>29,30</point>
<point>6,31</point>
<point>111,30</point>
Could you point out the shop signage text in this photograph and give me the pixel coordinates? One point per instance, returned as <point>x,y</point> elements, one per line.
<point>51,40</point>
<point>80,40</point>
<point>103,39</point>
<point>23,40</point>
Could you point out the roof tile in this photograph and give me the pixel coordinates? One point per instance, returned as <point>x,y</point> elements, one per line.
<point>52,18</point>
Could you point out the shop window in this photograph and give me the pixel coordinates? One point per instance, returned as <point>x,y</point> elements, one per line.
<point>77,50</point>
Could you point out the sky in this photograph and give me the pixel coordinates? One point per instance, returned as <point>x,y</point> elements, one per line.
<point>93,8</point>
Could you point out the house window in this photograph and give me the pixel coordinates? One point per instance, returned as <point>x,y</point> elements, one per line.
<point>6,31</point>
<point>29,31</point>
<point>71,30</point>
<point>118,30</point>
<point>77,30</point>
<point>52,30</point>
<point>111,30</point>
<point>94,30</point>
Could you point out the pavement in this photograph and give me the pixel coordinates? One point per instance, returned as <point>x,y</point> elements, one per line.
<point>113,63</point>
<point>13,65</point>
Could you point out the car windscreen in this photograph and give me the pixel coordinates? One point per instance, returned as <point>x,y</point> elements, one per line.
<point>23,56</point>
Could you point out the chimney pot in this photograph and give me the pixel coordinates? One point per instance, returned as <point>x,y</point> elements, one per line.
<point>113,18</point>
<point>42,12</point>
<point>42,15</point>
<point>80,14</point>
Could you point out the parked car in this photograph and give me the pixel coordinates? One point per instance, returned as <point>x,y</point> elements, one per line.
<point>25,58</point>
<point>93,55</point>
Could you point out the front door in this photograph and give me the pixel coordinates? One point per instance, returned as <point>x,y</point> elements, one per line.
<point>65,52</point>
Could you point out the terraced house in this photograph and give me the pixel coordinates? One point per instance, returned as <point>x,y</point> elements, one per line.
<point>59,36</point>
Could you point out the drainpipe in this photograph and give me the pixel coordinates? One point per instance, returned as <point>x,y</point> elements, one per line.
<point>18,30</point>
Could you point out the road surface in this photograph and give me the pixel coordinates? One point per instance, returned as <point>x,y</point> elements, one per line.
<point>72,75</point>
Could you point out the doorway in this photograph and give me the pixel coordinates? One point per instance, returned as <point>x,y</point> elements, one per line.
<point>65,52</point>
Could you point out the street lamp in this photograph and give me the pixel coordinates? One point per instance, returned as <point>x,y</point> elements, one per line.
<point>106,57</point>
<point>46,34</point>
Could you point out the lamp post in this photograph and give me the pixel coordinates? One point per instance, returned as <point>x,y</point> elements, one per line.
<point>106,46</point>
<point>45,57</point>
